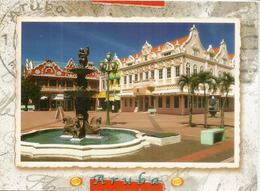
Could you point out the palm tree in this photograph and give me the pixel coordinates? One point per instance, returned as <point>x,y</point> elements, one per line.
<point>187,80</point>
<point>225,81</point>
<point>209,83</point>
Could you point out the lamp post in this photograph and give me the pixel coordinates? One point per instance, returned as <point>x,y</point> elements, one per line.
<point>108,67</point>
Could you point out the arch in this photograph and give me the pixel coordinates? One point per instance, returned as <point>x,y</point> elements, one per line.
<point>195,69</point>
<point>187,68</point>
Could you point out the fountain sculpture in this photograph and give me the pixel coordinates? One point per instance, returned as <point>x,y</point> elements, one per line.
<point>80,127</point>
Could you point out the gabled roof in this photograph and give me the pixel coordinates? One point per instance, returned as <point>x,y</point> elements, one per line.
<point>231,56</point>
<point>155,49</point>
<point>216,50</point>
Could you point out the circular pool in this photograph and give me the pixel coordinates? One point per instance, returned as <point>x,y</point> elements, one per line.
<point>112,142</point>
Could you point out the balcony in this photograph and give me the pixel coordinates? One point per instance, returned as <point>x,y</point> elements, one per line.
<point>144,83</point>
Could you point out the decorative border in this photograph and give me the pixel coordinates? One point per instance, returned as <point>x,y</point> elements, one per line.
<point>166,165</point>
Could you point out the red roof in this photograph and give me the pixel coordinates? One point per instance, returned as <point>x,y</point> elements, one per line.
<point>216,50</point>
<point>155,49</point>
<point>231,56</point>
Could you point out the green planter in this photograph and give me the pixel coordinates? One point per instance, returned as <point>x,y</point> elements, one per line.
<point>99,109</point>
<point>152,111</point>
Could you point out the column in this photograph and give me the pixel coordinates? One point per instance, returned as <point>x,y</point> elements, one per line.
<point>216,70</point>
<point>181,69</point>
<point>127,81</point>
<point>172,74</point>
<point>206,66</point>
<point>164,75</point>
<point>156,75</point>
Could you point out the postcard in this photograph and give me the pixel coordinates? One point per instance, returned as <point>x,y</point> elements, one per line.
<point>128,92</point>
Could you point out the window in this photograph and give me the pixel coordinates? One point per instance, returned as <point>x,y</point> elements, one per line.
<point>199,102</point>
<point>168,102</point>
<point>125,102</point>
<point>160,102</point>
<point>160,74</point>
<point>152,100</point>
<point>195,52</point>
<point>188,69</point>
<point>211,57</point>
<point>169,72</point>
<point>69,83</point>
<point>53,104</point>
<point>103,84</point>
<point>136,77</point>
<point>195,69</point>
<point>41,82</point>
<point>186,101</point>
<point>61,83</point>
<point>53,82</point>
<point>145,58</point>
<point>124,79</point>
<point>177,71</point>
<point>176,102</point>
<point>146,75</point>
<point>141,76</point>
<point>201,69</point>
<point>130,102</point>
<point>219,73</point>
<point>211,70</point>
<point>195,102</point>
<point>130,79</point>
<point>167,54</point>
<point>136,102</point>
<point>152,74</point>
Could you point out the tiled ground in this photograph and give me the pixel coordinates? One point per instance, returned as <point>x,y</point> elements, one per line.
<point>189,150</point>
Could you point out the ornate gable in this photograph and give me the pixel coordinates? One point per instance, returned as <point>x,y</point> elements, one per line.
<point>70,64</point>
<point>147,48</point>
<point>223,56</point>
<point>167,47</point>
<point>193,44</point>
<point>48,68</point>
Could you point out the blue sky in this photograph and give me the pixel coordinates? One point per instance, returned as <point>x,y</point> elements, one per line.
<point>61,41</point>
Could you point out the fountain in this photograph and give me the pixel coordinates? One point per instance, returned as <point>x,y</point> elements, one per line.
<point>79,139</point>
<point>80,127</point>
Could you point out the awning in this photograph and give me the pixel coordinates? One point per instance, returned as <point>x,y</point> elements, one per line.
<point>59,97</point>
<point>44,97</point>
<point>126,94</point>
<point>166,92</point>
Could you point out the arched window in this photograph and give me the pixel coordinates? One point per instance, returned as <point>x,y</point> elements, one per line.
<point>187,68</point>
<point>195,69</point>
<point>201,69</point>
<point>211,70</point>
<point>219,73</point>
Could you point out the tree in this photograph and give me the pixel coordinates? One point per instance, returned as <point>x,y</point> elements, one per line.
<point>225,81</point>
<point>188,81</point>
<point>29,90</point>
<point>208,83</point>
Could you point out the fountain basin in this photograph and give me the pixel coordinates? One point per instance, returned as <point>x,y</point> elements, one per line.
<point>134,142</point>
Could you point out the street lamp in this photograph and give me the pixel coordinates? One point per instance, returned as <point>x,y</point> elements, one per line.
<point>108,67</point>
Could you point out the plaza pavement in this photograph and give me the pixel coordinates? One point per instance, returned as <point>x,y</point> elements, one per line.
<point>188,150</point>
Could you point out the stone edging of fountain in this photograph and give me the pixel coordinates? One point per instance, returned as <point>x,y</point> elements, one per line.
<point>163,141</point>
<point>36,150</point>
